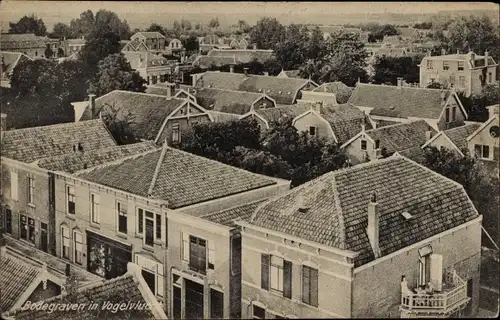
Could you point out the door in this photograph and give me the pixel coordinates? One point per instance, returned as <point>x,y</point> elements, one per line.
<point>216,304</point>
<point>177,302</point>
<point>470,290</point>
<point>194,300</point>
<point>44,241</point>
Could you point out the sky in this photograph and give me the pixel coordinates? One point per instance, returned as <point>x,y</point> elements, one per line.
<point>64,11</point>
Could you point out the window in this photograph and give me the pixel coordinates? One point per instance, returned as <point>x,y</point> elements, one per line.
<point>446,65</point>
<point>460,66</point>
<point>176,137</point>
<point>216,304</point>
<point>452,81</point>
<point>140,221</point>
<point>377,144</point>
<point>258,312</point>
<point>122,217</point>
<point>490,77</point>
<point>363,145</point>
<point>158,227</point>
<point>78,247</point>
<point>152,273</point>
<point>197,254</point>
<point>27,226</point>
<point>276,275</point>
<point>430,64</point>
<point>149,223</point>
<point>453,113</point>
<point>482,151</point>
<point>310,286</point>
<point>14,187</point>
<point>447,115</point>
<point>8,221</point>
<point>94,208</point>
<point>461,82</point>
<point>312,131</point>
<point>31,190</point>
<point>70,194</point>
<point>65,242</point>
<point>154,79</point>
<point>185,247</point>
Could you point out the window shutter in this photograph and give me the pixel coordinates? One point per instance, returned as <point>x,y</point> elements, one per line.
<point>436,273</point>
<point>314,287</point>
<point>264,272</point>
<point>287,279</point>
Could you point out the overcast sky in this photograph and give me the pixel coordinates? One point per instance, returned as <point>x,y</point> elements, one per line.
<point>49,11</point>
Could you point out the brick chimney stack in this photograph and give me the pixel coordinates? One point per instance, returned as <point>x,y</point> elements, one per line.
<point>400,81</point>
<point>92,106</point>
<point>373,225</point>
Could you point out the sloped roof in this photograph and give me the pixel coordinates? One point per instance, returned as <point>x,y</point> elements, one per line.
<point>223,116</point>
<point>30,144</point>
<point>182,178</point>
<point>416,154</point>
<point>391,52</point>
<point>229,101</point>
<point>345,120</point>
<point>458,135</point>
<point>149,34</point>
<point>402,136</point>
<point>228,216</point>
<point>21,41</point>
<point>144,59</point>
<point>337,205</point>
<point>342,91</point>
<point>406,32</point>
<point>10,60</point>
<point>282,90</point>
<point>234,56</point>
<point>78,41</point>
<point>72,162</point>
<point>291,73</point>
<point>147,111</point>
<point>281,111</point>
<point>123,289</point>
<point>400,101</point>
<point>15,278</point>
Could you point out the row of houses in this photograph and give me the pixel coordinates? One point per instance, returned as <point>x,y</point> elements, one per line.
<point>213,241</point>
<point>35,46</point>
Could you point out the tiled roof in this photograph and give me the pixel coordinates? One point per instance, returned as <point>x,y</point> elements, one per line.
<point>144,59</point>
<point>345,120</point>
<point>21,41</point>
<point>15,278</point>
<point>228,216</point>
<point>149,34</point>
<point>10,60</point>
<point>400,102</point>
<point>148,111</point>
<point>416,154</point>
<point>280,89</point>
<point>72,162</point>
<point>207,62</point>
<point>290,111</point>
<point>459,135</point>
<point>123,289</point>
<point>401,136</point>
<point>228,101</point>
<point>222,116</point>
<point>182,178</point>
<point>243,55</point>
<point>406,32</point>
<point>336,207</point>
<point>292,73</point>
<point>30,144</point>
<point>342,92</point>
<point>77,41</point>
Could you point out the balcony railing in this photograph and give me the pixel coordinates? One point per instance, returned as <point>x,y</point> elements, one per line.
<point>444,303</point>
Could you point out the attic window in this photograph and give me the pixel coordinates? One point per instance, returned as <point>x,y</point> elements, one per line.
<point>260,90</point>
<point>407,215</point>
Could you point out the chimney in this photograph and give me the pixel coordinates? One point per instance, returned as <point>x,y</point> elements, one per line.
<point>266,73</point>
<point>428,53</point>
<point>400,82</point>
<point>169,91</point>
<point>373,225</point>
<point>245,70</point>
<point>3,123</point>
<point>194,77</point>
<point>177,84</point>
<point>458,51</point>
<point>363,123</point>
<point>231,68</point>
<point>254,45</point>
<point>486,58</point>
<point>92,106</point>
<point>428,135</point>
<point>443,52</point>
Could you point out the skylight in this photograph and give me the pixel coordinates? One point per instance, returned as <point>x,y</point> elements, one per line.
<point>407,215</point>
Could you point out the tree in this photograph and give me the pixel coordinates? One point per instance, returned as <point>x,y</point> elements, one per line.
<point>388,69</point>
<point>191,44</point>
<point>101,43</point>
<point>316,45</point>
<point>482,188</point>
<point>473,33</point>
<point>267,33</point>
<point>109,19</point>
<point>28,24</point>
<point>84,25</point>
<point>154,27</point>
<point>197,26</point>
<point>61,31</point>
<point>119,124</point>
<point>292,51</point>
<point>476,104</point>
<point>423,25</point>
<point>345,61</point>
<point>377,32</point>
<point>114,73</point>
<point>243,26</point>
<point>186,25</point>
<point>214,23</point>
<point>48,52</point>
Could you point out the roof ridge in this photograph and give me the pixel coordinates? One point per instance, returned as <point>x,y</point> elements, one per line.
<point>57,124</point>
<point>403,87</point>
<point>157,170</point>
<point>231,90</point>
<point>147,94</point>
<point>234,207</point>
<point>118,161</point>
<point>395,125</point>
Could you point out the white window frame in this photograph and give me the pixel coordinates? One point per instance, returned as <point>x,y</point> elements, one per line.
<point>94,208</point>
<point>14,185</point>
<point>176,133</point>
<point>460,65</point>
<point>276,273</point>
<point>121,211</point>
<point>446,65</point>
<point>490,153</point>
<point>144,227</point>
<point>185,246</point>
<point>156,269</point>
<point>78,246</point>
<point>461,82</point>
<point>361,144</point>
<point>31,189</point>
<point>315,131</point>
<point>70,195</point>
<point>140,221</point>
<point>430,64</point>
<point>65,242</point>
